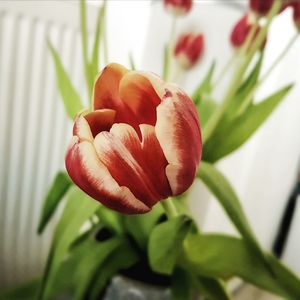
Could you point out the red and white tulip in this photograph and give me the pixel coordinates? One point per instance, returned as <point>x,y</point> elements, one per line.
<point>139,145</point>
<point>178,7</point>
<point>189,49</point>
<point>241,30</point>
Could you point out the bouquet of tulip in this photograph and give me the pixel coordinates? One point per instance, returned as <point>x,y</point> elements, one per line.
<point>133,155</point>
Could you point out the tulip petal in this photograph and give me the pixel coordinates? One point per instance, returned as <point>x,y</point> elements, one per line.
<point>91,175</point>
<point>178,132</point>
<point>122,153</point>
<point>100,120</point>
<point>138,94</point>
<point>106,94</point>
<point>82,130</point>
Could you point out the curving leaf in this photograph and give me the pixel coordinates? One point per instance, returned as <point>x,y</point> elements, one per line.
<point>222,190</point>
<point>229,136</point>
<point>68,93</point>
<point>58,190</point>
<point>78,210</point>
<point>224,256</point>
<point>165,243</point>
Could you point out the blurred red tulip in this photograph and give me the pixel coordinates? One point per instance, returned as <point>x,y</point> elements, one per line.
<point>188,49</point>
<point>178,7</point>
<point>261,7</point>
<point>241,30</point>
<point>296,13</point>
<point>141,144</point>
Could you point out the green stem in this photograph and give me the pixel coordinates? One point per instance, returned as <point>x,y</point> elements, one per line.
<point>239,74</point>
<point>105,44</point>
<point>170,48</point>
<point>169,208</point>
<point>225,69</point>
<point>268,73</point>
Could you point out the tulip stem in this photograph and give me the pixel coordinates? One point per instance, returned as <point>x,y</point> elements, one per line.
<point>170,47</point>
<point>268,72</point>
<point>169,208</point>
<point>105,45</point>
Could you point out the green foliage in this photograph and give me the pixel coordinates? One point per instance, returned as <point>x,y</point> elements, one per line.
<point>205,109</point>
<point>221,188</point>
<point>77,211</point>
<point>26,291</point>
<point>132,63</point>
<point>111,219</point>
<point>68,93</point>
<point>140,226</point>
<point>205,87</point>
<point>165,243</point>
<point>232,134</point>
<point>224,257</point>
<point>166,63</point>
<point>59,188</point>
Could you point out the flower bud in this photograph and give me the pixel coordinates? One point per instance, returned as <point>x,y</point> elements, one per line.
<point>261,7</point>
<point>178,7</point>
<point>188,49</point>
<point>241,30</point>
<point>296,13</point>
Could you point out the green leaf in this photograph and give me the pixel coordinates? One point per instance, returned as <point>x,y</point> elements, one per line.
<point>205,109</point>
<point>224,256</point>
<point>230,136</point>
<point>212,288</point>
<point>228,199</point>
<point>58,189</point>
<point>181,287</point>
<point>26,291</point>
<point>98,33</point>
<point>121,258</point>
<point>205,86</point>
<point>77,211</point>
<point>111,219</point>
<point>246,89</point>
<point>165,243</point>
<point>68,93</point>
<point>140,226</point>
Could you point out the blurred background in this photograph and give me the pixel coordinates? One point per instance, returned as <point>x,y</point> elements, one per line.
<point>35,129</point>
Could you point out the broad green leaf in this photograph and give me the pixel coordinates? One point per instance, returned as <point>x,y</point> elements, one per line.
<point>205,109</point>
<point>181,285</point>
<point>111,219</point>
<point>224,256</point>
<point>166,63</point>
<point>212,288</point>
<point>68,93</point>
<point>140,226</point>
<point>122,258</point>
<point>230,136</point>
<point>205,86</point>
<point>77,211</point>
<point>98,33</point>
<point>228,199</point>
<point>165,243</point>
<point>25,291</point>
<point>58,189</point>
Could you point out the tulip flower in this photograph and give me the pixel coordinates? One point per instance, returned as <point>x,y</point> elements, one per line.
<point>178,7</point>
<point>189,49</point>
<point>241,30</point>
<point>296,13</point>
<point>139,145</point>
<point>261,7</point>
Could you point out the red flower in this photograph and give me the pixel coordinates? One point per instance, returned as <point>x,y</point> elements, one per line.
<point>178,7</point>
<point>261,7</point>
<point>188,49</point>
<point>296,12</point>
<point>141,144</point>
<point>241,30</point>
